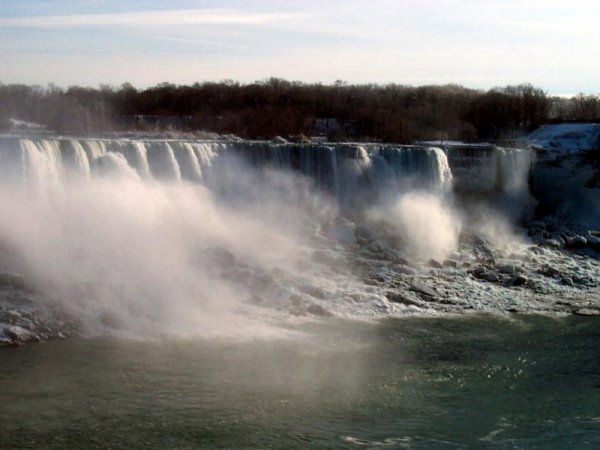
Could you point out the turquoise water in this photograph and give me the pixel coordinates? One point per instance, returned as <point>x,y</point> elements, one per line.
<point>435,383</point>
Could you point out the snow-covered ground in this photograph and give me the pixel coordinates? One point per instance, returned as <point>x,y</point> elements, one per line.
<point>565,137</point>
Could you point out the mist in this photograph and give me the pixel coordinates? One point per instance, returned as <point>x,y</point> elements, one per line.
<point>179,238</point>
<point>147,257</point>
<point>428,225</point>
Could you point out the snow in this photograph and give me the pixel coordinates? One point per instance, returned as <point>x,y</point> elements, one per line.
<point>17,124</point>
<point>566,137</point>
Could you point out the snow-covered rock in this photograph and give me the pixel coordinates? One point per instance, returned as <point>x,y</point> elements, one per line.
<point>566,175</point>
<point>565,137</point>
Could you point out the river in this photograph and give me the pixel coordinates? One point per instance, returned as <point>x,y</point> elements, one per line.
<point>420,383</point>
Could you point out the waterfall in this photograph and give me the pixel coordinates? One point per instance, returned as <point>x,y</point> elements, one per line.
<point>114,164</point>
<point>42,163</point>
<point>139,155</point>
<point>513,170</point>
<point>187,161</point>
<point>205,153</point>
<point>354,174</point>
<point>94,149</point>
<point>75,159</point>
<point>162,161</point>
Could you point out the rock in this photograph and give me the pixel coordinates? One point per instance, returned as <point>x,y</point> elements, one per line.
<point>567,281</point>
<point>405,270</point>
<point>537,239</point>
<point>279,140</point>
<point>434,264</point>
<point>377,245</point>
<point>551,243</point>
<point>536,250</point>
<point>12,316</point>
<point>18,334</point>
<point>450,263</point>
<point>318,310</point>
<point>519,280</point>
<point>576,242</point>
<point>479,272</point>
<point>492,277</point>
<point>314,291</point>
<point>399,259</point>
<point>593,242</point>
<point>483,247</point>
<point>12,279</point>
<point>507,269</point>
<point>480,242</point>
<point>587,312</point>
<point>550,271</point>
<point>343,232</point>
<point>397,297</point>
<point>377,278</point>
<point>423,289</point>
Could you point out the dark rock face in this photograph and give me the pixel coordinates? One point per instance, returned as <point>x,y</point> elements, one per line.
<point>576,242</point>
<point>519,280</point>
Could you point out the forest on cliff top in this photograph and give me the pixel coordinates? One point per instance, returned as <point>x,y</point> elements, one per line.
<point>277,107</point>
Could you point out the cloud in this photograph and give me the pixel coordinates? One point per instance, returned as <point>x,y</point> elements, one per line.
<point>152,18</point>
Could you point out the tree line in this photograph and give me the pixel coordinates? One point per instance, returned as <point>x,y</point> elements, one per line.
<point>272,107</point>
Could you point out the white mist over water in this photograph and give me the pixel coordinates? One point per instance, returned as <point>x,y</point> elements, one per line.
<point>123,253</point>
<point>185,238</point>
<point>429,227</point>
<point>132,256</point>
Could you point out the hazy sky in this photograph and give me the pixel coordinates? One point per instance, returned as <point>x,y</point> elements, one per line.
<point>553,44</point>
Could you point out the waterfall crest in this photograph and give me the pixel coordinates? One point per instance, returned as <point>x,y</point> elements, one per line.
<point>354,174</point>
<point>341,169</point>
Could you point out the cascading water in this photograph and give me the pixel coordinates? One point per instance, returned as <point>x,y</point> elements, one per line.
<point>139,234</point>
<point>513,172</point>
<point>75,159</point>
<point>485,168</point>
<point>343,170</point>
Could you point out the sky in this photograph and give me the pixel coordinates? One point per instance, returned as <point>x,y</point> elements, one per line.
<point>552,44</point>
